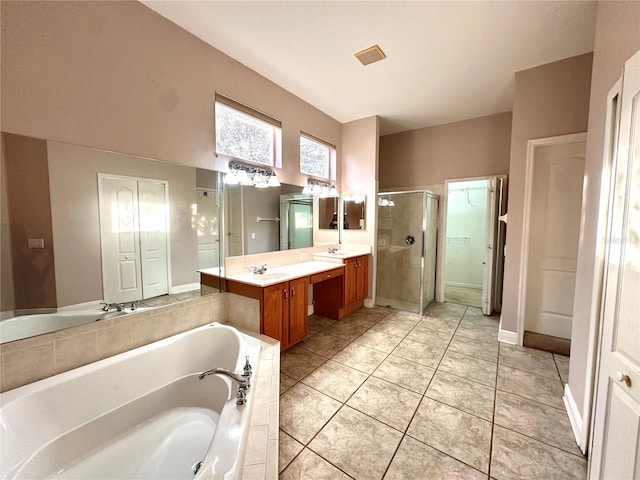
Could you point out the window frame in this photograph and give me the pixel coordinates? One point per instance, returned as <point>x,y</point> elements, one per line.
<point>331,167</point>
<point>255,115</point>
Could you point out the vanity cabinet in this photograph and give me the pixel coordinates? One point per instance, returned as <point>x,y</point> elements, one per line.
<point>284,311</point>
<point>339,299</point>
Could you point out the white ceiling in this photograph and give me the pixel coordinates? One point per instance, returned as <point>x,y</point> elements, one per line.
<point>446,60</point>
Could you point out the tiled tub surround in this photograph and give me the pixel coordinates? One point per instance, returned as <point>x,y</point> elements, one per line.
<point>384,394</point>
<point>149,398</point>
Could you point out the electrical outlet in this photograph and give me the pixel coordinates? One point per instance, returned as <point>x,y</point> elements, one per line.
<point>253,236</point>
<point>303,256</point>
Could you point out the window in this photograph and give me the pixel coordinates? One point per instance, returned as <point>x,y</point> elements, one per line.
<point>316,158</point>
<point>247,135</point>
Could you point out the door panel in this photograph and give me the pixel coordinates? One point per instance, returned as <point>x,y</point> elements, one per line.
<point>153,238</point>
<point>276,310</point>
<point>556,205</point>
<point>488,280</point>
<point>350,279</point>
<point>119,227</point>
<point>616,441</point>
<point>298,309</point>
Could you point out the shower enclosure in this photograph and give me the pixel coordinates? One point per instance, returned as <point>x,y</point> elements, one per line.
<point>407,234</point>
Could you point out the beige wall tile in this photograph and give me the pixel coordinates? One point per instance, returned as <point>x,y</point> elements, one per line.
<point>75,351</point>
<point>29,365</point>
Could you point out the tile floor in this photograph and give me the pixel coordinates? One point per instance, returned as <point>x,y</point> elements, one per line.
<point>388,394</point>
<point>463,295</point>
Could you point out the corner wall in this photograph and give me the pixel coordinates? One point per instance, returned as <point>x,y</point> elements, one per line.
<point>360,176</point>
<point>617,38</point>
<point>549,100</point>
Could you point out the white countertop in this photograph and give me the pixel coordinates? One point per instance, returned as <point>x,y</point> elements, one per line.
<point>341,254</point>
<point>216,271</point>
<point>284,273</point>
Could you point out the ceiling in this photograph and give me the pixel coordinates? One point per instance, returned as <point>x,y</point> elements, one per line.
<point>446,61</point>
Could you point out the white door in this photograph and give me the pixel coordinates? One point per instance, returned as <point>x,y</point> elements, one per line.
<point>207,228</point>
<point>616,436</point>
<point>488,274</point>
<point>152,206</point>
<point>119,234</point>
<point>554,226</point>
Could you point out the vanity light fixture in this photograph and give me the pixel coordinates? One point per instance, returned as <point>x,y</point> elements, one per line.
<point>320,188</point>
<point>250,175</point>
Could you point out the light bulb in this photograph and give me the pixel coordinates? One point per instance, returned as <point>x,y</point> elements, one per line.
<point>307,189</point>
<point>273,180</point>
<point>231,178</point>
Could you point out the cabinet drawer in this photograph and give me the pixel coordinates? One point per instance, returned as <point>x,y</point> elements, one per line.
<point>322,276</point>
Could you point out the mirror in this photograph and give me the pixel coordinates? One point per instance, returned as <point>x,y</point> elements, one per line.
<point>328,213</point>
<point>53,254</point>
<point>354,208</point>
<point>259,220</point>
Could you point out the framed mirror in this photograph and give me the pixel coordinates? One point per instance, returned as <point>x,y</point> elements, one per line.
<point>328,213</point>
<point>82,226</point>
<point>354,208</point>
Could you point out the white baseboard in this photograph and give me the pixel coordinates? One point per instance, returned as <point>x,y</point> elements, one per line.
<point>187,287</point>
<point>309,310</point>
<point>506,336</point>
<point>574,418</point>
<point>369,303</point>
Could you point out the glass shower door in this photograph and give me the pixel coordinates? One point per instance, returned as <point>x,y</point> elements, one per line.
<point>400,246</point>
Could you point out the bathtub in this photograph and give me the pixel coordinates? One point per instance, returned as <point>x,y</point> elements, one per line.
<point>25,326</point>
<point>139,414</point>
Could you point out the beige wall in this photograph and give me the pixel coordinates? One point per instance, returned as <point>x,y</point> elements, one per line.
<point>29,214</point>
<point>7,300</point>
<point>617,38</point>
<point>470,148</point>
<point>117,76</point>
<point>73,173</point>
<point>549,100</point>
<point>360,176</point>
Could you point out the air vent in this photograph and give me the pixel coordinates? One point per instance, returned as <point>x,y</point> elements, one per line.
<point>370,55</point>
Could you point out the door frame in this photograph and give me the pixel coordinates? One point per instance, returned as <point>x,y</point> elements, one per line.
<point>532,146</point>
<point>442,243</point>
<point>100,177</point>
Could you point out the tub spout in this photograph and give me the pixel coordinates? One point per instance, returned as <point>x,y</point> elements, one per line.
<point>243,381</point>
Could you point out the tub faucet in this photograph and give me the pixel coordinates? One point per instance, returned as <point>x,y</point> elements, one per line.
<point>112,306</point>
<point>243,381</point>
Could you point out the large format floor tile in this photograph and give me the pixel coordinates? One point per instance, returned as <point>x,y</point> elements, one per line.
<point>470,368</point>
<point>519,358</point>
<point>303,412</point>
<point>529,385</point>
<point>454,432</point>
<point>309,465</point>
<point>537,420</point>
<point>405,373</point>
<point>386,402</point>
<point>471,397</point>
<point>517,456</point>
<point>360,357</point>
<point>415,460</point>
<point>385,393</point>
<point>336,380</point>
<point>357,444</point>
<point>298,362</point>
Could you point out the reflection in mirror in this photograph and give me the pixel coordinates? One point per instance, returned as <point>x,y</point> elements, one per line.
<point>259,220</point>
<point>81,226</point>
<point>354,207</point>
<point>328,213</point>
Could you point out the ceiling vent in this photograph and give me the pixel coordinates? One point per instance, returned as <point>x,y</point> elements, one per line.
<point>370,55</point>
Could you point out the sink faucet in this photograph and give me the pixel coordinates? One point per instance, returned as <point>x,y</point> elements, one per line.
<point>112,306</point>
<point>259,270</point>
<point>332,249</point>
<point>243,380</point>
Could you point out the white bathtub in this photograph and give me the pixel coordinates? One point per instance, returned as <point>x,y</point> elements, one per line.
<point>25,326</point>
<point>140,414</point>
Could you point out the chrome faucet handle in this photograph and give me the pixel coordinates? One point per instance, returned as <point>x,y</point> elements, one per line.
<point>247,367</point>
<point>134,306</point>
<point>106,307</point>
<point>241,396</point>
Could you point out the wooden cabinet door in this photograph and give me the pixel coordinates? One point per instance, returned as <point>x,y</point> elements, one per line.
<point>276,311</point>
<point>362,277</point>
<point>298,301</point>
<point>350,280</point>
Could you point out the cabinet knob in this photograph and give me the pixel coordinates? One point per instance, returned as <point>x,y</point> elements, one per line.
<point>285,293</point>
<point>293,292</point>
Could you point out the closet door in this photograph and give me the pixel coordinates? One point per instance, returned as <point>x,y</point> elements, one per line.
<point>152,206</point>
<point>119,235</point>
